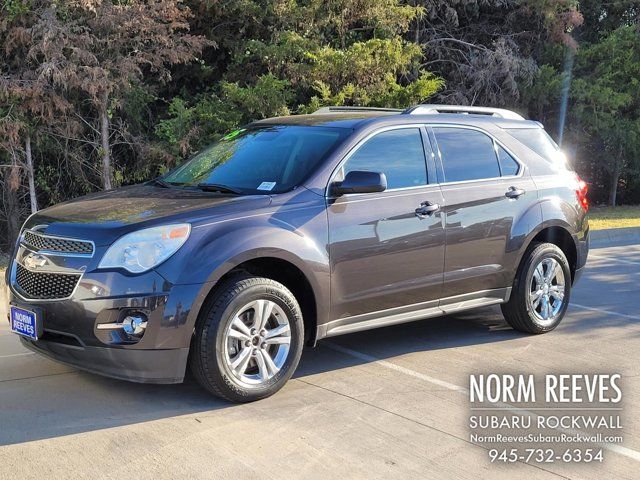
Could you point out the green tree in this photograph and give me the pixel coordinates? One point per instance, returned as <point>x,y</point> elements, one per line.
<point>294,57</point>
<point>96,93</point>
<point>602,17</point>
<point>606,103</point>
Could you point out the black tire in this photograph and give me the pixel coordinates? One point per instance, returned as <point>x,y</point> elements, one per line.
<point>518,311</point>
<point>206,357</point>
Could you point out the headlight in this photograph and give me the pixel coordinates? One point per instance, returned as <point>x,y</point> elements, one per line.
<point>142,250</point>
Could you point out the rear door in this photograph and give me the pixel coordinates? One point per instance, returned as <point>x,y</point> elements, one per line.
<point>385,258</point>
<point>485,191</point>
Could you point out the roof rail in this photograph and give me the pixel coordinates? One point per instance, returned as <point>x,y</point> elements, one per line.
<point>427,109</point>
<point>340,109</point>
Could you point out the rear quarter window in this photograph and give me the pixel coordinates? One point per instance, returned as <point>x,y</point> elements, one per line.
<point>537,140</point>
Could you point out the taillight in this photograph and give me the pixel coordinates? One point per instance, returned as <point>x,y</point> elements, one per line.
<point>581,193</point>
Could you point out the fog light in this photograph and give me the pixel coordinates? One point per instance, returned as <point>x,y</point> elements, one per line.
<point>135,325</point>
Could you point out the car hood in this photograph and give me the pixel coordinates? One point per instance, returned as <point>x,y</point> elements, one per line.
<point>105,216</point>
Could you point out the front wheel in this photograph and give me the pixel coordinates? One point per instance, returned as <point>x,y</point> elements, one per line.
<point>249,339</point>
<point>541,290</point>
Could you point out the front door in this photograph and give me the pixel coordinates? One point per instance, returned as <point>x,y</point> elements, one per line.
<point>386,258</point>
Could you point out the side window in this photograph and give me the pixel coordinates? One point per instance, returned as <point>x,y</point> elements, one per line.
<point>508,166</point>
<point>399,154</point>
<point>466,154</point>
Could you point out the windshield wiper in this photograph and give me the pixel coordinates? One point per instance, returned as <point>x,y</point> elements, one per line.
<point>161,183</point>
<point>216,187</point>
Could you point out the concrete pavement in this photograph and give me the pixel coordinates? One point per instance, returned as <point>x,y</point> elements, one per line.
<point>389,403</point>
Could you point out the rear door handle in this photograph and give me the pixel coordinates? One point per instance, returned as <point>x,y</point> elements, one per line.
<point>514,192</point>
<point>426,209</point>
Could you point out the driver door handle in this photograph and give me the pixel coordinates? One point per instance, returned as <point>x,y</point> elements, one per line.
<point>427,209</point>
<point>514,192</point>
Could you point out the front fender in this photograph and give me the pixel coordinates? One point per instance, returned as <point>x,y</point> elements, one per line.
<point>294,232</point>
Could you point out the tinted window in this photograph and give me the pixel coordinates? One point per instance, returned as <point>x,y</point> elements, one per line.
<point>262,159</point>
<point>466,154</point>
<point>537,140</point>
<point>508,165</point>
<point>398,154</point>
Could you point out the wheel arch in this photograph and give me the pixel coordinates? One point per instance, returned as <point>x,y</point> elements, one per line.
<point>282,267</point>
<point>558,234</point>
<point>292,277</point>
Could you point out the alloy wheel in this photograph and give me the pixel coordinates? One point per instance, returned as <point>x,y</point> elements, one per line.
<point>257,342</point>
<point>547,292</point>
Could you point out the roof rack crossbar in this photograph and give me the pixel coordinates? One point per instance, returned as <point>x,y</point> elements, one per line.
<point>341,109</point>
<point>428,109</point>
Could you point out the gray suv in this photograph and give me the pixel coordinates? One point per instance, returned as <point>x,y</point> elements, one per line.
<point>294,229</point>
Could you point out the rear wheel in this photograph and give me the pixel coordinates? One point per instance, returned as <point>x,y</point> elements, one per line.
<point>541,290</point>
<point>249,339</point>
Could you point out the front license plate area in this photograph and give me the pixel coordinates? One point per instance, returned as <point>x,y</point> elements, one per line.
<point>24,322</point>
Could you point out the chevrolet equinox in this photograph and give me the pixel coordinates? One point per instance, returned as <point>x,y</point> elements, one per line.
<point>298,228</point>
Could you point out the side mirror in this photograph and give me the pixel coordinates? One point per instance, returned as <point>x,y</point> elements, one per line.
<point>360,182</point>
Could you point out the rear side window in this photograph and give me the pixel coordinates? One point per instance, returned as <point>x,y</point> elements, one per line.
<point>399,154</point>
<point>537,140</point>
<point>508,166</point>
<point>466,154</point>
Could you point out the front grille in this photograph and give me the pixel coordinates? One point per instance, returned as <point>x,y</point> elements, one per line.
<point>40,285</point>
<point>54,244</point>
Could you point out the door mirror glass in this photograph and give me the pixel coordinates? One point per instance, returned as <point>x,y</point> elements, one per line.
<point>358,181</point>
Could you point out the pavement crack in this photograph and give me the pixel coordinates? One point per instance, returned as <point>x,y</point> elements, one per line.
<point>36,376</point>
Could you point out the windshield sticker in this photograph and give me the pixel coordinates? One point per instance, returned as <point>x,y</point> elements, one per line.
<point>267,186</point>
<point>233,134</point>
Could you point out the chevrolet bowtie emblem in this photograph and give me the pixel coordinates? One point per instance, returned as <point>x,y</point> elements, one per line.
<point>33,261</point>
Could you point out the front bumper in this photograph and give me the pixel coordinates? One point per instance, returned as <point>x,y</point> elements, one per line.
<point>70,332</point>
<point>143,366</point>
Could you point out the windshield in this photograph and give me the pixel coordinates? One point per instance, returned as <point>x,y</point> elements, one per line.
<point>260,159</point>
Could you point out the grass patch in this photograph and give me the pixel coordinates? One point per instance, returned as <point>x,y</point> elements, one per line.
<point>601,218</point>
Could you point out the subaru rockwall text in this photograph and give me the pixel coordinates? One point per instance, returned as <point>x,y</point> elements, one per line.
<point>298,228</point>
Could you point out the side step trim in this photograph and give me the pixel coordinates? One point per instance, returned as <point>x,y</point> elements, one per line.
<point>397,316</point>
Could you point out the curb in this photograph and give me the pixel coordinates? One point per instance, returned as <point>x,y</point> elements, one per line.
<point>604,237</point>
